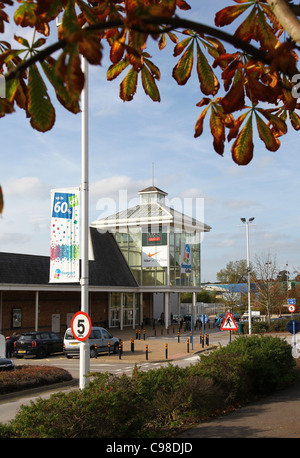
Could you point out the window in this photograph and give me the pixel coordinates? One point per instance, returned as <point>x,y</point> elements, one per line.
<point>95,334</point>
<point>105,334</point>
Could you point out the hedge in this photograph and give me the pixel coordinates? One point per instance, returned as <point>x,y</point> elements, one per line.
<point>160,402</point>
<point>24,377</point>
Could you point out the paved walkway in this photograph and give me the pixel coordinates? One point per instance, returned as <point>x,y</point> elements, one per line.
<point>275,416</point>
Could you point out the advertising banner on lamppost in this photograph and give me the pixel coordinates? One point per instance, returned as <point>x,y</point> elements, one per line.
<point>64,249</point>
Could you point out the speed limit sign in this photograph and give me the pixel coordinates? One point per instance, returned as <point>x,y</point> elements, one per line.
<point>292,308</point>
<point>81,326</point>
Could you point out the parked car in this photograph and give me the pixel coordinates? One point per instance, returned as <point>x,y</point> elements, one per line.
<point>6,364</point>
<point>39,344</point>
<point>98,341</point>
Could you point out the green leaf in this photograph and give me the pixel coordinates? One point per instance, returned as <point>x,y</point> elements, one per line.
<point>208,82</point>
<point>39,106</point>
<point>149,85</point>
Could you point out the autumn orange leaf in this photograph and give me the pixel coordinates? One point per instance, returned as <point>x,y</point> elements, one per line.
<point>129,85</point>
<point>209,83</point>
<point>183,69</point>
<point>242,148</point>
<point>227,15</point>
<point>218,131</point>
<point>266,135</point>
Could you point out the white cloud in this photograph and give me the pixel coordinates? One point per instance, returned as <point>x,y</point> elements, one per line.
<point>26,187</point>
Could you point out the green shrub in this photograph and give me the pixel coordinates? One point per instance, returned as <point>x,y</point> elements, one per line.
<point>157,403</point>
<point>260,327</point>
<point>226,372</point>
<point>266,360</point>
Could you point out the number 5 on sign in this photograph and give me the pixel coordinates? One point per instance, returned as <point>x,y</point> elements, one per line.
<point>81,326</point>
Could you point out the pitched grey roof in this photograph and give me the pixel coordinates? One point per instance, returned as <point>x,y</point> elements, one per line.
<point>108,269</point>
<point>147,214</point>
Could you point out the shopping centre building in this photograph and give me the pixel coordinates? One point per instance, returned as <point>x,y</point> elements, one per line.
<point>140,260</point>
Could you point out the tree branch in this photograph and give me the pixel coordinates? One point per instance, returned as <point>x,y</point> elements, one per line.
<point>173,22</point>
<point>287,18</point>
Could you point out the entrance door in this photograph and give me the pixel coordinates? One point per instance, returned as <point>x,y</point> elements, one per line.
<point>115,318</point>
<point>56,322</point>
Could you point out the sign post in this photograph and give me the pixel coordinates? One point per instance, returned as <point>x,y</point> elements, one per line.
<point>293,326</point>
<point>229,325</point>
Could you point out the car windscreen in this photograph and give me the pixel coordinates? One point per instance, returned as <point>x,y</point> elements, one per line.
<point>27,338</point>
<point>69,335</point>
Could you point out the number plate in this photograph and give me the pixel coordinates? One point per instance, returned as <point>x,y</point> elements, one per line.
<point>74,343</point>
<point>21,351</point>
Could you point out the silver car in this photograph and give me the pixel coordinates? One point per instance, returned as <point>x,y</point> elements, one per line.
<point>98,340</point>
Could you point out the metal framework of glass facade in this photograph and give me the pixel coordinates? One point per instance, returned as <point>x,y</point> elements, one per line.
<point>152,238</point>
<point>131,246</point>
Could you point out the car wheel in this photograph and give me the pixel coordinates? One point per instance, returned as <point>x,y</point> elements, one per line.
<point>41,353</point>
<point>93,353</point>
<point>69,357</point>
<point>116,348</point>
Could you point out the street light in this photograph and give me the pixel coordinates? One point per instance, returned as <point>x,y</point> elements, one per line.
<point>248,267</point>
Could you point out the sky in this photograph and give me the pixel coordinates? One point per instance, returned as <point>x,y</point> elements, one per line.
<point>125,139</point>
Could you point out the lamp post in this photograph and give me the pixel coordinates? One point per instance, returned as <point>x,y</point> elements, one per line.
<point>84,365</point>
<point>248,268</point>
<point>84,349</point>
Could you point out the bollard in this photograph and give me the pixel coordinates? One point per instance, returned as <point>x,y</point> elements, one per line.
<point>144,334</point>
<point>202,341</point>
<point>155,332</point>
<point>139,334</point>
<point>188,346</point>
<point>132,344</point>
<point>120,350</point>
<point>136,333</point>
<point>207,338</point>
<point>178,336</point>
<point>108,348</point>
<point>166,351</point>
<point>96,351</point>
<point>146,352</point>
<point>200,337</point>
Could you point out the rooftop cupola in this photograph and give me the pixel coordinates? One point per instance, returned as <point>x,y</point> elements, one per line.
<point>151,195</point>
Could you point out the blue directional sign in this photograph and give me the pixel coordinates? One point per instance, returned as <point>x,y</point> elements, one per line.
<point>291,301</point>
<point>293,326</point>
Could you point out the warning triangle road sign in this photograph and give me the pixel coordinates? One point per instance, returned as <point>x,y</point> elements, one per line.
<point>229,324</point>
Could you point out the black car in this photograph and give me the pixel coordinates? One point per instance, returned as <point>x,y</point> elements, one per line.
<point>6,364</point>
<point>39,343</point>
